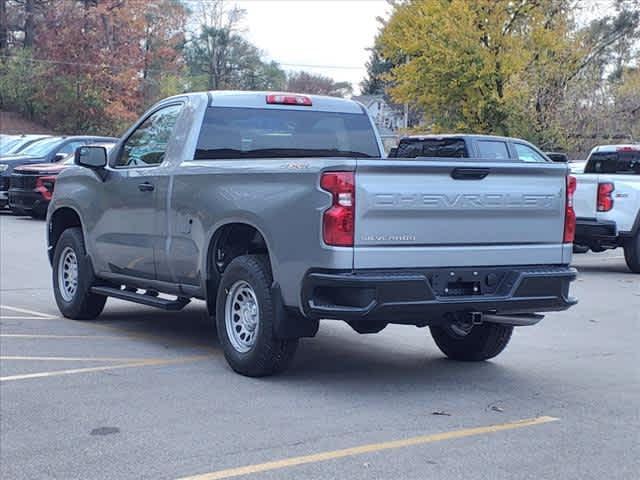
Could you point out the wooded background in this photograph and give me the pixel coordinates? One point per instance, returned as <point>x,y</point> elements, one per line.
<point>549,71</point>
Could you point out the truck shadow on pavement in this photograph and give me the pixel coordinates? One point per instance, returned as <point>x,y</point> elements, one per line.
<point>336,358</point>
<point>606,268</point>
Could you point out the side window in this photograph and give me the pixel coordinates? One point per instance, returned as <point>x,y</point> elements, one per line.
<point>70,147</point>
<point>528,154</point>
<point>147,144</point>
<point>492,149</point>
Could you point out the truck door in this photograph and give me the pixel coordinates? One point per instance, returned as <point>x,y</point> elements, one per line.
<point>134,191</point>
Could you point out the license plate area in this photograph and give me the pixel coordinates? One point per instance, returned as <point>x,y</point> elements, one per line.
<point>466,282</point>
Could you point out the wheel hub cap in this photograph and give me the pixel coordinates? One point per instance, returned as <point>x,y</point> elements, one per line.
<point>68,274</point>
<point>242,316</point>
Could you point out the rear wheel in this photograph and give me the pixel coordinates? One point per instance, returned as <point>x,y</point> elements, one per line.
<point>632,253</point>
<point>73,278</point>
<point>245,315</point>
<point>18,212</point>
<point>471,343</point>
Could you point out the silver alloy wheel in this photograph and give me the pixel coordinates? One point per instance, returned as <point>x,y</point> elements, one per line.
<point>68,274</point>
<point>242,316</point>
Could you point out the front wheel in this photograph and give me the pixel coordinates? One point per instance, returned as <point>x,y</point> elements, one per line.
<point>73,278</point>
<point>632,253</point>
<point>471,343</point>
<point>245,315</point>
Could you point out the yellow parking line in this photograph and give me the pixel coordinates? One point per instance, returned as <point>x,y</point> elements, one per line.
<point>77,359</point>
<point>24,310</point>
<point>374,447</point>
<point>145,363</point>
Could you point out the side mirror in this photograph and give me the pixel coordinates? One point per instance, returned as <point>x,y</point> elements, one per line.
<point>58,157</point>
<point>91,157</point>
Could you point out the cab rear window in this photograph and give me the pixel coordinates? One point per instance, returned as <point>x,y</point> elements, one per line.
<point>438,148</point>
<point>619,163</point>
<point>251,133</point>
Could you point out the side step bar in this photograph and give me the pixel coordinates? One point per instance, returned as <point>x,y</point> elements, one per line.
<point>142,298</point>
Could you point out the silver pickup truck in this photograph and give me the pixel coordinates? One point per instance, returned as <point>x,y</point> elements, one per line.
<point>279,210</point>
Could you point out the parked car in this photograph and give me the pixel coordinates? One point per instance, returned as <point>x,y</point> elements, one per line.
<point>279,211</point>
<point>31,186</point>
<point>13,144</point>
<point>607,202</point>
<point>486,147</point>
<point>47,150</point>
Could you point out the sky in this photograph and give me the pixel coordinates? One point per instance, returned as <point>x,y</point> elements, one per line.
<point>334,34</point>
<point>331,37</point>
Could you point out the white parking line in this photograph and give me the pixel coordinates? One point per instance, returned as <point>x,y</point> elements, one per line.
<point>26,335</point>
<point>77,359</point>
<point>146,363</point>
<point>24,310</point>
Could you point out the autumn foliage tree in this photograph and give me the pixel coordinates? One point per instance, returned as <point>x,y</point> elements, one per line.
<point>99,62</point>
<point>106,59</point>
<point>495,66</point>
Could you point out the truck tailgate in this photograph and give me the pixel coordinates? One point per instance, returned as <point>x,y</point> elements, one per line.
<point>453,213</point>
<point>586,197</point>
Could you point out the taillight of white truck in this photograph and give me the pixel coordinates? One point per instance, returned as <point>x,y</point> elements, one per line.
<point>570,214</point>
<point>605,199</point>
<point>338,221</point>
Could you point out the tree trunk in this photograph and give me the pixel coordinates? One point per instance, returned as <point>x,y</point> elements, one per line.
<point>29,24</point>
<point>4,27</point>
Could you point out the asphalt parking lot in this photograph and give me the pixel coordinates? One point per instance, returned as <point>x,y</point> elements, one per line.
<point>146,394</point>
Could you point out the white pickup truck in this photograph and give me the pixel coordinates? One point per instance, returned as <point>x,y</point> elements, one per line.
<point>607,202</point>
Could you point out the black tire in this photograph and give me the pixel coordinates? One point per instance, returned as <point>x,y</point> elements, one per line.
<point>18,212</point>
<point>483,342</point>
<point>39,213</point>
<point>632,253</point>
<point>82,305</point>
<point>268,355</point>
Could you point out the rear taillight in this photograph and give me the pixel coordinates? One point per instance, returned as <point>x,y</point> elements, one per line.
<point>45,186</point>
<point>570,214</point>
<point>338,222</point>
<point>605,200</point>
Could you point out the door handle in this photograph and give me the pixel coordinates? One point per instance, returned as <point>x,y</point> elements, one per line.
<point>146,187</point>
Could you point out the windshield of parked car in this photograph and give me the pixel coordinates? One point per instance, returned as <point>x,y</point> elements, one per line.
<point>230,133</point>
<point>621,162</point>
<point>7,144</point>
<point>42,147</point>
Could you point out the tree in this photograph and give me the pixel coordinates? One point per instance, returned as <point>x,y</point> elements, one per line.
<point>102,59</point>
<point>627,102</point>
<point>21,83</point>
<point>378,67</point>
<point>494,66</point>
<point>305,82</point>
<point>163,43</point>
<point>4,27</point>
<point>219,57</point>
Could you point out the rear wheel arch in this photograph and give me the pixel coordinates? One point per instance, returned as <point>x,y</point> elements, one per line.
<point>229,241</point>
<point>62,219</point>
